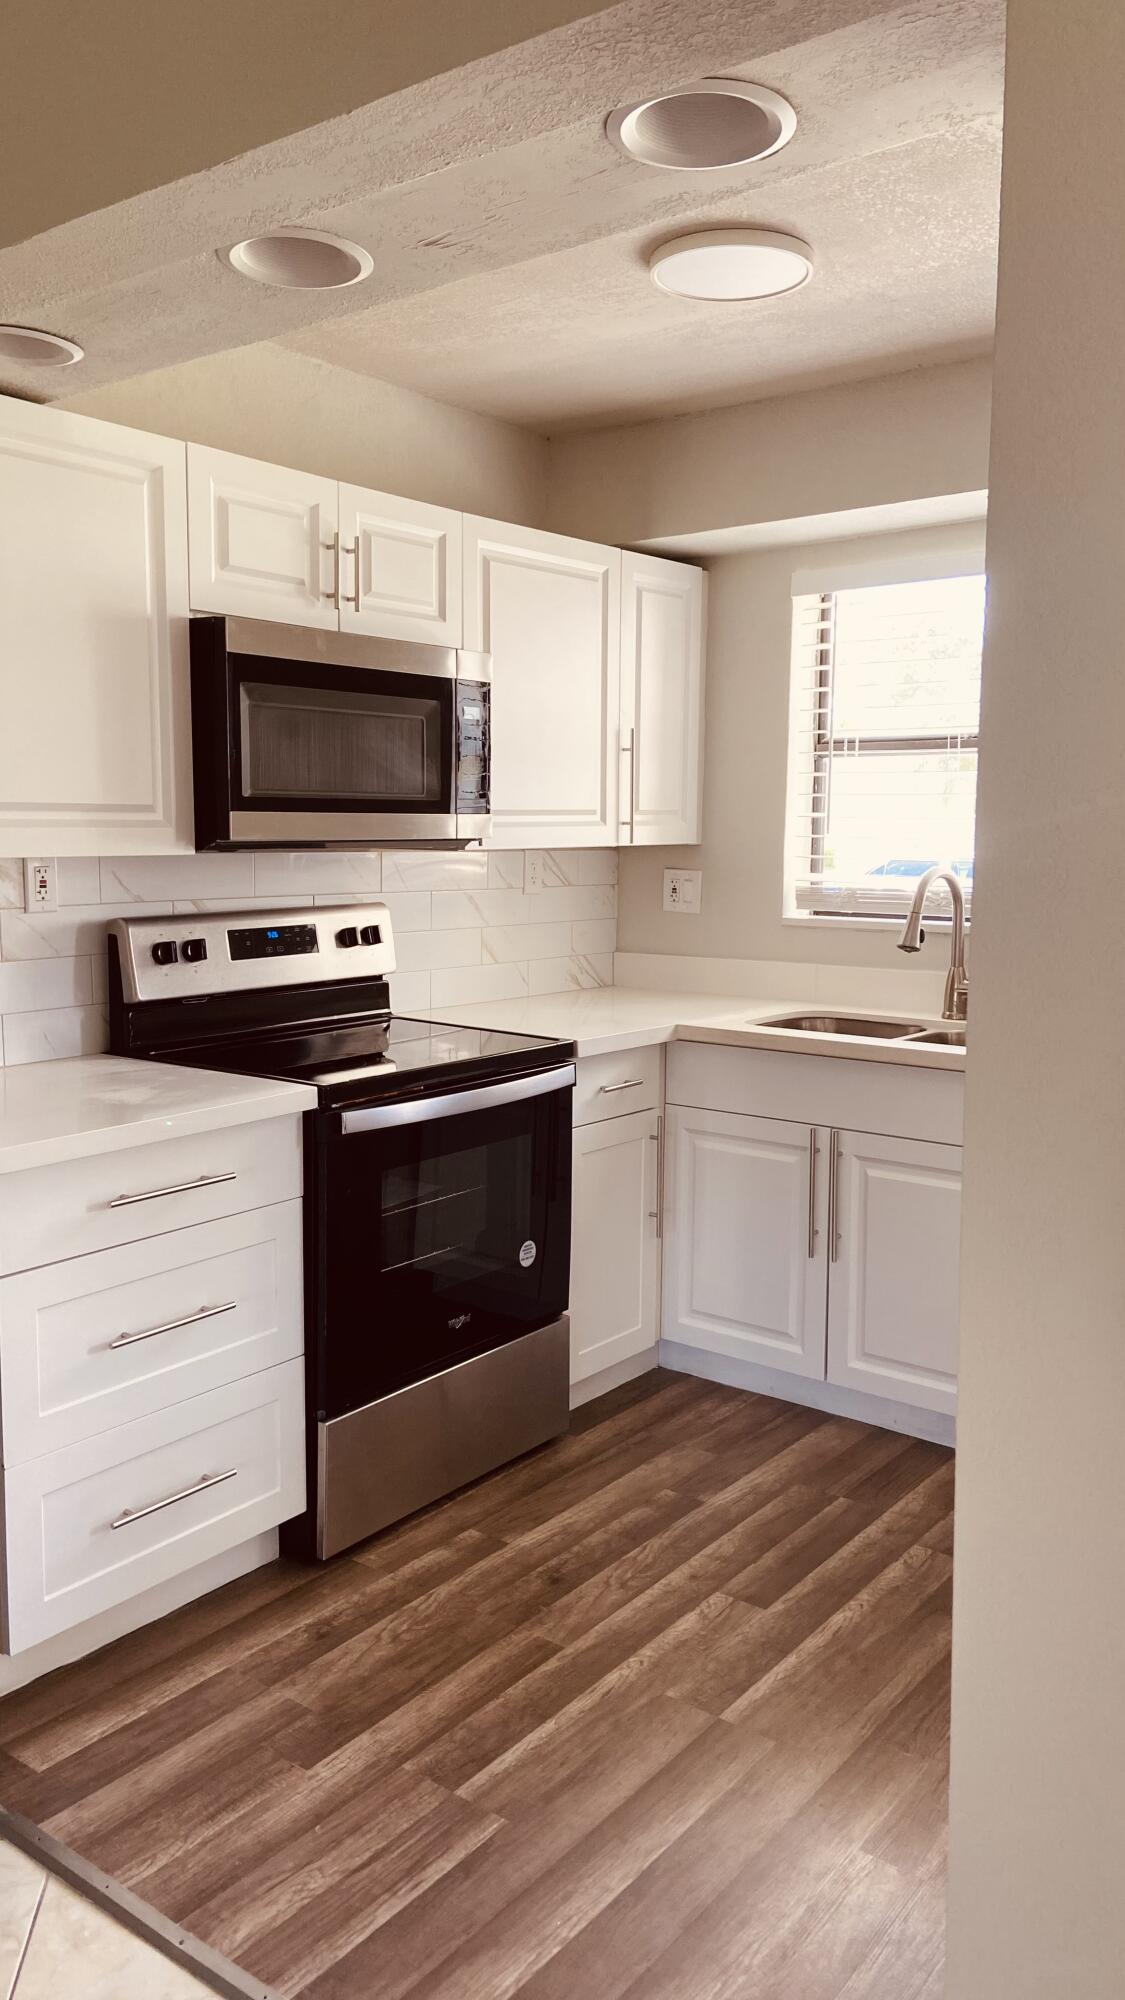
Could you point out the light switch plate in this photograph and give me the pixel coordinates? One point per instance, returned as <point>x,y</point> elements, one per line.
<point>683,890</point>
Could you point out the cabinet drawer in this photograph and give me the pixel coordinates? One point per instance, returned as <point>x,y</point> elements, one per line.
<point>819,1090</point>
<point>609,1086</point>
<point>90,1526</point>
<point>100,1340</point>
<point>54,1212</point>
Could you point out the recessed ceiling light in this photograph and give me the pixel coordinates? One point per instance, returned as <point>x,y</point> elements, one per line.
<point>731,264</point>
<point>718,122</point>
<point>30,347</point>
<point>301,260</point>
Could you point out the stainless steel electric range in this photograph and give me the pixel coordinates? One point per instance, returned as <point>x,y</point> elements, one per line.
<point>437,1196</point>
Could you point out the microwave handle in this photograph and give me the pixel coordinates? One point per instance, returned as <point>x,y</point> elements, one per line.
<point>455,1103</point>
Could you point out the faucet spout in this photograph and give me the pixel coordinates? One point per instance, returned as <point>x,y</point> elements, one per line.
<point>956,1002</point>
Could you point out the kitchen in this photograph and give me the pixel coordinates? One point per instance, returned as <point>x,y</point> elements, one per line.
<point>488,777</point>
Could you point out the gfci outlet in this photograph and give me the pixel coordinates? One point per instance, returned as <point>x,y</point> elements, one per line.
<point>683,890</point>
<point>40,888</point>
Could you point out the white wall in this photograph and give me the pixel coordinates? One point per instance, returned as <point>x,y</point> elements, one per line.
<point>1036,1909</point>
<point>746,756</point>
<point>270,402</point>
<point>464,927</point>
<point>862,444</point>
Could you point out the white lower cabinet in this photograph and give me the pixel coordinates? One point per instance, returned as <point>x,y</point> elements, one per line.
<point>151,1368</point>
<point>806,1245</point>
<point>90,1526</point>
<point>892,1298</point>
<point>615,1256</point>
<point>745,1254</point>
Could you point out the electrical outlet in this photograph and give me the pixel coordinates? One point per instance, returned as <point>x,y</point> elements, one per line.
<point>683,890</point>
<point>533,873</point>
<point>40,885</point>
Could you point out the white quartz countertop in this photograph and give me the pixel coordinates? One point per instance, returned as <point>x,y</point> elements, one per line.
<point>601,1019</point>
<point>67,1110</point>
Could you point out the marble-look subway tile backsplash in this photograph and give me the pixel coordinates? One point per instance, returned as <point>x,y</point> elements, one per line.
<point>466,928</point>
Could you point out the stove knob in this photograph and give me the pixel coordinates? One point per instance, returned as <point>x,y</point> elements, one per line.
<point>347,937</point>
<point>194,949</point>
<point>164,953</point>
<point>371,934</point>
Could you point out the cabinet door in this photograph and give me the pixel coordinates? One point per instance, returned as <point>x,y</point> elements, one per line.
<point>94,753</point>
<point>401,575</point>
<point>615,1248</point>
<point>548,610</point>
<point>262,539</point>
<point>662,607</point>
<point>745,1253</point>
<point>893,1290</point>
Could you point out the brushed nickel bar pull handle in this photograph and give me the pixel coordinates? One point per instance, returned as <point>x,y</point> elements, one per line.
<point>630,1083</point>
<point>629,750</point>
<point>170,1325</point>
<point>131,1514</point>
<point>659,1175</point>
<point>177,1187</point>
<point>833,1196</point>
<point>333,548</point>
<point>813,1150</point>
<point>354,552</point>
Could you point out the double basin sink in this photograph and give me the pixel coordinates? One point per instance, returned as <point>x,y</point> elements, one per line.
<point>952,1037</point>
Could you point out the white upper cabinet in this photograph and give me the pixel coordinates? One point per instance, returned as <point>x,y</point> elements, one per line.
<point>93,637</point>
<point>400,572</point>
<point>267,542</point>
<point>893,1299</point>
<point>662,616</point>
<point>548,610</point>
<point>263,539</point>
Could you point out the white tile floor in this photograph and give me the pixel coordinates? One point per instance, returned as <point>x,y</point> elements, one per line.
<point>53,1942</point>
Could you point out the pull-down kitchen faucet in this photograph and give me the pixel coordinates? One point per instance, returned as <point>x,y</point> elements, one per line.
<point>956,1004</point>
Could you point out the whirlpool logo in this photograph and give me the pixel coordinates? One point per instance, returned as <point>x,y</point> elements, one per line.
<point>461,1320</point>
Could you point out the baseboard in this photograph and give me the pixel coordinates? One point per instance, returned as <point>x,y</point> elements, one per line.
<point>933,1425</point>
<point>94,1633</point>
<point>612,1378</point>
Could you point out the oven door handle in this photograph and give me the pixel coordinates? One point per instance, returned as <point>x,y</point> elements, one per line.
<point>455,1103</point>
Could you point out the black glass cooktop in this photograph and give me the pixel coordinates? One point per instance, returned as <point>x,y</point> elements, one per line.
<point>352,1061</point>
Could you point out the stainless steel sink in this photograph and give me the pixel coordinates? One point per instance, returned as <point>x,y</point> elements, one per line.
<point>941,1038</point>
<point>847,1024</point>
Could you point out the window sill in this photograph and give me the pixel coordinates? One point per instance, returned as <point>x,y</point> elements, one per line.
<point>809,921</point>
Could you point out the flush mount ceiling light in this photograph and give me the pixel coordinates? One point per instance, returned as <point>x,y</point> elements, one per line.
<point>30,347</point>
<point>731,264</point>
<point>301,260</point>
<point>718,122</point>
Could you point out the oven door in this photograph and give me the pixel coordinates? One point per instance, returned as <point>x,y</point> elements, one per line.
<point>446,1232</point>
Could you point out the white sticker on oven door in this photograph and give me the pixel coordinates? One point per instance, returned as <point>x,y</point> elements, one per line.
<point>528,1254</point>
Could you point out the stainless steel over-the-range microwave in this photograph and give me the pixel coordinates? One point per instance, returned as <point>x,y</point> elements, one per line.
<point>327,739</point>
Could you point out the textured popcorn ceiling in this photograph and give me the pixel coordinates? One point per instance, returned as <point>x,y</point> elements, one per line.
<point>510,239</point>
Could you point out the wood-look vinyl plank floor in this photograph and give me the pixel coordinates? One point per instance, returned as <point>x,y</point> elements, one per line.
<point>659,1712</point>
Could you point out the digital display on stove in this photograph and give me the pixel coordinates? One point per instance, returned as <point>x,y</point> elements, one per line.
<point>282,941</point>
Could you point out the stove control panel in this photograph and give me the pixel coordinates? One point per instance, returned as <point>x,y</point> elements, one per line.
<point>271,941</point>
<point>168,958</point>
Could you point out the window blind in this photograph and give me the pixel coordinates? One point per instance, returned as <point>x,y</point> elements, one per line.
<point>883,743</point>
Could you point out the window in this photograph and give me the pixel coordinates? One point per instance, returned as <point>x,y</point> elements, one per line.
<point>883,743</point>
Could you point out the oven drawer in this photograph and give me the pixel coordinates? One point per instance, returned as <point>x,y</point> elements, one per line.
<point>100,1340</point>
<point>51,1213</point>
<point>610,1085</point>
<point>99,1522</point>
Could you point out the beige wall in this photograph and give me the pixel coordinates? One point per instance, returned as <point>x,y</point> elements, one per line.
<point>862,444</point>
<point>1038,1806</point>
<point>747,732</point>
<point>271,403</point>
